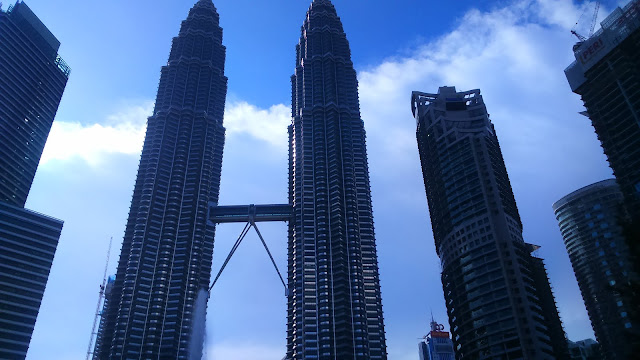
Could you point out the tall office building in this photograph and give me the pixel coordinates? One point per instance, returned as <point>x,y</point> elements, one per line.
<point>606,74</point>
<point>168,244</point>
<point>31,86</point>
<point>437,345</point>
<point>588,220</point>
<point>491,297</point>
<point>549,308</point>
<point>28,242</point>
<point>334,306</point>
<point>32,80</point>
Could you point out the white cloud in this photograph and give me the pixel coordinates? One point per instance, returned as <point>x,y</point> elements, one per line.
<point>516,56</point>
<point>122,132</point>
<point>269,125</point>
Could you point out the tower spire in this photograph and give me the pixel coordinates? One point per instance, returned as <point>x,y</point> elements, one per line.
<point>168,242</point>
<point>332,224</point>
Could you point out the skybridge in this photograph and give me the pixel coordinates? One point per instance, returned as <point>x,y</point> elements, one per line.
<point>249,214</point>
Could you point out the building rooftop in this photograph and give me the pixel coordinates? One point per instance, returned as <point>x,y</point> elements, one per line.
<point>615,28</point>
<point>580,192</point>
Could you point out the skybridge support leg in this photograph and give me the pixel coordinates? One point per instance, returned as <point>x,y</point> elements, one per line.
<point>286,290</point>
<point>244,232</point>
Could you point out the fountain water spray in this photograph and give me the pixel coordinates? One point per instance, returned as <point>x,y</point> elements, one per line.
<point>198,328</point>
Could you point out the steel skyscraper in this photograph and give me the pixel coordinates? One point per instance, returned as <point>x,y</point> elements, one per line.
<point>32,79</point>
<point>490,290</point>
<point>168,243</point>
<point>31,86</point>
<point>334,306</point>
<point>606,74</point>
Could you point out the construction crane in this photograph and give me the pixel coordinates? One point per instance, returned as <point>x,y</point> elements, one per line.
<point>100,299</point>
<point>592,25</point>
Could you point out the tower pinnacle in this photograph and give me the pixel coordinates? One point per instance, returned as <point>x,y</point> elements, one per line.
<point>168,242</point>
<point>334,309</point>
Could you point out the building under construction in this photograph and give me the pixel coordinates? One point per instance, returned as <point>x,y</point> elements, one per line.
<point>606,74</point>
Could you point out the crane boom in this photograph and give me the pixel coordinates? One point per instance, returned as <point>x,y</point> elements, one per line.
<point>100,298</point>
<point>595,17</point>
<point>592,26</point>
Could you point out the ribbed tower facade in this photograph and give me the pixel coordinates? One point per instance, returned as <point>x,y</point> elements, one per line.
<point>168,245</point>
<point>589,223</point>
<point>334,306</point>
<point>494,307</point>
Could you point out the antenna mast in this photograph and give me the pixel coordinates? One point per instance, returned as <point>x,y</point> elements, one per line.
<point>100,299</point>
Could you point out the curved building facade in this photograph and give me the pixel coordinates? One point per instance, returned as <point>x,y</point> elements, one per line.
<point>489,287</point>
<point>168,244</point>
<point>588,220</point>
<point>606,75</point>
<point>334,306</point>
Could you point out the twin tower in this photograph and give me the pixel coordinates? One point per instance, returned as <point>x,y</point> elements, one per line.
<point>334,304</point>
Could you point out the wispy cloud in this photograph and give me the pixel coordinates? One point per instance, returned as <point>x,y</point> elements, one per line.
<point>268,125</point>
<point>122,132</point>
<point>515,55</point>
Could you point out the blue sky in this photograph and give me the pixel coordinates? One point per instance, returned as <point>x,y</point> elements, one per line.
<point>514,51</point>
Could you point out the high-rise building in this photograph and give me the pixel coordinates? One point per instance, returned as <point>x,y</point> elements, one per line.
<point>437,345</point>
<point>490,289</point>
<point>32,80</point>
<point>28,242</point>
<point>334,306</point>
<point>606,74</point>
<point>549,308</point>
<point>168,244</point>
<point>588,220</point>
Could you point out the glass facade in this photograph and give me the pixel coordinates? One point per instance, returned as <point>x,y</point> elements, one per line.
<point>606,74</point>
<point>32,80</point>
<point>31,86</point>
<point>588,220</point>
<point>28,243</point>
<point>168,242</point>
<point>437,345</point>
<point>334,306</point>
<point>489,286</point>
